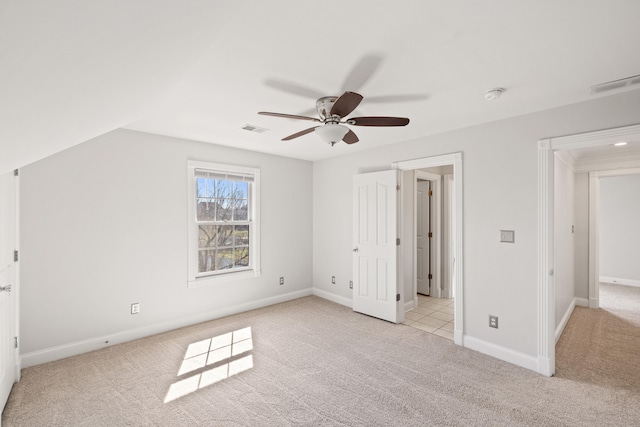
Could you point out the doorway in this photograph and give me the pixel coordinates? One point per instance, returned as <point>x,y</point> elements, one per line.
<point>546,256</point>
<point>447,171</point>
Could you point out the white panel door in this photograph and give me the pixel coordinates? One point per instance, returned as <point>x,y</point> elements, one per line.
<point>423,243</point>
<point>7,276</point>
<point>375,284</point>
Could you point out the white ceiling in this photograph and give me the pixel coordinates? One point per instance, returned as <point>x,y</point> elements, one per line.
<point>74,69</point>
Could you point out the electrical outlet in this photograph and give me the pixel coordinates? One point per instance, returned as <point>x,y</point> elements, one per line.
<point>135,308</point>
<point>333,280</point>
<point>507,236</point>
<point>282,280</point>
<point>350,284</point>
<point>493,321</point>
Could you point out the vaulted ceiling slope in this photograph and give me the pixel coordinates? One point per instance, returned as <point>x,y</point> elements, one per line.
<point>74,69</point>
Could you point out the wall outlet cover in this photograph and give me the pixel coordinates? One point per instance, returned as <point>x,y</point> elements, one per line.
<point>507,236</point>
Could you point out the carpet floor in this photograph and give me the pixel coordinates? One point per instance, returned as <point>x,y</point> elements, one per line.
<point>311,362</point>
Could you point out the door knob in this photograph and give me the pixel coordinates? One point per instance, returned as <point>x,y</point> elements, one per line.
<point>5,288</point>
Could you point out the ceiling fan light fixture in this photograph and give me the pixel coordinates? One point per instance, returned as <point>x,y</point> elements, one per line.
<point>331,133</point>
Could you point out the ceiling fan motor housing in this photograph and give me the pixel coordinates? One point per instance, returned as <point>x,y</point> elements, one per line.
<point>324,105</point>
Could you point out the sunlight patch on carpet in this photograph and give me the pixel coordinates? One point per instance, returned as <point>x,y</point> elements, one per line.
<point>219,352</point>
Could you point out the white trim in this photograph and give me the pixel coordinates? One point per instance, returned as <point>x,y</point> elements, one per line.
<point>410,304</point>
<point>580,302</point>
<point>436,211</point>
<point>454,159</point>
<point>79,347</point>
<point>620,281</point>
<point>502,353</point>
<point>594,243</point>
<point>16,279</point>
<point>338,299</point>
<point>546,282</point>
<point>193,279</point>
<point>595,138</point>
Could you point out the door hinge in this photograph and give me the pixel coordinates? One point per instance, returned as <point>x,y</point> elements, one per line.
<point>430,234</point>
<point>15,342</point>
<point>397,241</point>
<point>430,276</point>
<point>15,256</point>
<point>15,172</point>
<point>397,297</point>
<point>397,186</point>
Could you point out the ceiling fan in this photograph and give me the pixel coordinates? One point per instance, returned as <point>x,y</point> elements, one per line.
<point>333,112</point>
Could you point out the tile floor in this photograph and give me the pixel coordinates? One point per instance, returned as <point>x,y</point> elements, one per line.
<point>433,315</point>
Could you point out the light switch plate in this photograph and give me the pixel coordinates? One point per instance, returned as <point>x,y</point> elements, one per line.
<point>507,236</point>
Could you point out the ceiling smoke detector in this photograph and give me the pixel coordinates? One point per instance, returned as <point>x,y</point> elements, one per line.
<point>494,93</point>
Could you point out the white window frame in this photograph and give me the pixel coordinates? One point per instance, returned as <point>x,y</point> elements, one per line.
<point>196,279</point>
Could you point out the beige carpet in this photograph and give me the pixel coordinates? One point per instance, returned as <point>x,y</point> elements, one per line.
<point>602,346</point>
<point>307,362</point>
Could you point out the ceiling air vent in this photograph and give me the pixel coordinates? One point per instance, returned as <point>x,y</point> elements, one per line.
<point>616,84</point>
<point>252,128</point>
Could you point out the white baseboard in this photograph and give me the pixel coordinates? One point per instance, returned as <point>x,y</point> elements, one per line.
<point>620,281</point>
<point>411,304</point>
<point>502,353</point>
<point>339,299</point>
<point>580,302</point>
<point>79,347</point>
<point>546,367</point>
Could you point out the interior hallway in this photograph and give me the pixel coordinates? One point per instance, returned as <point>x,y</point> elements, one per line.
<point>433,315</point>
<point>600,346</point>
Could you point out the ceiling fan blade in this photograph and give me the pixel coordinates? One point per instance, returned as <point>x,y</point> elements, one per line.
<point>361,72</point>
<point>344,105</point>
<point>378,121</point>
<point>289,116</point>
<point>297,134</point>
<point>350,137</point>
<point>294,88</point>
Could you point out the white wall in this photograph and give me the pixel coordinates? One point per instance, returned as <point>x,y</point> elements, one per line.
<point>619,232</point>
<point>564,244</point>
<point>581,236</point>
<point>104,224</point>
<point>500,192</point>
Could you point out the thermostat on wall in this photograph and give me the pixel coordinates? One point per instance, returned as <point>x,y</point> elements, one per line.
<point>507,236</point>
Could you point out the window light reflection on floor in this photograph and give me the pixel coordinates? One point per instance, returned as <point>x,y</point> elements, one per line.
<point>210,352</point>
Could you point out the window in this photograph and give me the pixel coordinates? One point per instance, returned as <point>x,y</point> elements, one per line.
<point>223,221</point>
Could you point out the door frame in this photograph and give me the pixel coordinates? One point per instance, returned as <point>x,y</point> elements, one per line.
<point>435,214</point>
<point>454,159</point>
<point>13,305</point>
<point>546,284</point>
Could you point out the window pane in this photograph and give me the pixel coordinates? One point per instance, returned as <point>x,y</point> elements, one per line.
<point>241,190</point>
<point>224,259</point>
<point>224,189</point>
<point>241,257</point>
<point>223,209</point>
<point>241,210</point>
<point>207,236</point>
<point>241,235</point>
<point>204,187</point>
<point>206,260</point>
<point>225,235</point>
<point>206,210</point>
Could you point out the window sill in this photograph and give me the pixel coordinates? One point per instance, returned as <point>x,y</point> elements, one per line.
<point>222,278</point>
